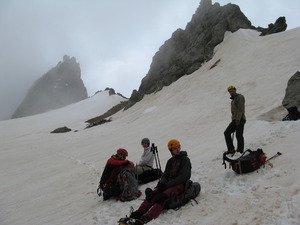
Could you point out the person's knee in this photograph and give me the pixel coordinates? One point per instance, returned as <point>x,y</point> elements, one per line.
<point>160,198</point>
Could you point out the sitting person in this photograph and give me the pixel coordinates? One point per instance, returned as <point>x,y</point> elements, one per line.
<point>172,182</point>
<point>146,162</point>
<point>108,181</point>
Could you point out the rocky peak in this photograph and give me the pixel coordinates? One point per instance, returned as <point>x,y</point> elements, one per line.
<point>187,49</point>
<point>60,86</point>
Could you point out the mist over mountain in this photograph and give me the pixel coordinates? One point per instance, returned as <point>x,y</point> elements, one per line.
<point>182,54</point>
<point>51,178</point>
<point>188,49</point>
<point>60,86</point>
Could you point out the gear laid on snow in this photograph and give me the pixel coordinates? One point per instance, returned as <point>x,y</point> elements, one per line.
<point>249,161</point>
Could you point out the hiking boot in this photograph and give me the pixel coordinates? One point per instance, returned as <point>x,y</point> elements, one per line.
<point>144,219</point>
<point>232,151</point>
<point>134,222</point>
<point>136,214</point>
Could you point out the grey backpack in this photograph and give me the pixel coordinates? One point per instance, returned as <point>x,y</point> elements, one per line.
<point>128,185</point>
<point>192,190</point>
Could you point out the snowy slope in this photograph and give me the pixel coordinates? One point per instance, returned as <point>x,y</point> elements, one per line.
<point>52,178</point>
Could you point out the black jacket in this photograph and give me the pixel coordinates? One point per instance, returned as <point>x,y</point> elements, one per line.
<point>178,170</point>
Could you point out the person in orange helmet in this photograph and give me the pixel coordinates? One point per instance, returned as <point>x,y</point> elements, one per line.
<point>173,180</point>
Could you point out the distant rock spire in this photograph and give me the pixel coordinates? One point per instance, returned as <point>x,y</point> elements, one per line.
<point>59,87</point>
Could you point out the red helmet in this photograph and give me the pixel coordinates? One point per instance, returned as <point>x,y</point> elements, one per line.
<point>122,151</point>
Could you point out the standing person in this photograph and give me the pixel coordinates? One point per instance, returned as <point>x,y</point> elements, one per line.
<point>177,173</point>
<point>238,120</point>
<point>146,162</point>
<point>108,181</point>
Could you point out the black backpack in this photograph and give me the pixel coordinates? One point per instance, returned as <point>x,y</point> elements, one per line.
<point>192,190</point>
<point>293,113</point>
<point>248,162</point>
<point>149,175</point>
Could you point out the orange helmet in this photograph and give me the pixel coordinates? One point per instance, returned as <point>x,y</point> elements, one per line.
<point>122,151</point>
<point>173,143</point>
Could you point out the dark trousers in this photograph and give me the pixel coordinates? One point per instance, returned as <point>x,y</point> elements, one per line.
<point>151,209</point>
<point>239,129</point>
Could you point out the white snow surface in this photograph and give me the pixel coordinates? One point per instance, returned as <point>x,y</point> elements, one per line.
<point>52,178</point>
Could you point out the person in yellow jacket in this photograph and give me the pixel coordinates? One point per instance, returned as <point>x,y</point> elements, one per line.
<point>238,120</point>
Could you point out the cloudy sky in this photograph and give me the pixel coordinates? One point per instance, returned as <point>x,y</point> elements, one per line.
<point>114,41</point>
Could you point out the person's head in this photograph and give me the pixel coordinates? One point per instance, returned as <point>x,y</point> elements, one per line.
<point>145,142</point>
<point>174,147</point>
<point>121,154</point>
<point>231,89</point>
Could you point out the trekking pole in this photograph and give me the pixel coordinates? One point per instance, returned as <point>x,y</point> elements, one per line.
<point>153,151</point>
<point>274,156</point>
<point>156,151</point>
<point>136,173</point>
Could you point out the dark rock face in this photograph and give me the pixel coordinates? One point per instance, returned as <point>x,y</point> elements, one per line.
<point>61,130</point>
<point>292,93</point>
<point>187,49</point>
<point>279,26</point>
<point>59,87</point>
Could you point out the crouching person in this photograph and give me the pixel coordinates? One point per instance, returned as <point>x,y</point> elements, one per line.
<point>109,179</point>
<point>172,182</point>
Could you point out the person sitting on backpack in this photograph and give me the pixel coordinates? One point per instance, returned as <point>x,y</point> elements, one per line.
<point>176,174</point>
<point>146,162</point>
<point>108,181</point>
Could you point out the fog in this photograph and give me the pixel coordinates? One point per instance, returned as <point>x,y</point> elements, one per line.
<point>114,42</point>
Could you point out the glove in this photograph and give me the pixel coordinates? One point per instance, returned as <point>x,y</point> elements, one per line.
<point>161,187</point>
<point>150,194</point>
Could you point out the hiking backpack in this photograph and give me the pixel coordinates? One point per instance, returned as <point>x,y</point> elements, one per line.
<point>149,175</point>
<point>248,162</point>
<point>192,190</point>
<point>128,185</point>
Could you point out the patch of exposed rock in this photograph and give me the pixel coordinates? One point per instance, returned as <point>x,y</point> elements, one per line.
<point>292,93</point>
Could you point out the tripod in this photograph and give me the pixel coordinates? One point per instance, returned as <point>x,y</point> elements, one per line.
<point>156,157</point>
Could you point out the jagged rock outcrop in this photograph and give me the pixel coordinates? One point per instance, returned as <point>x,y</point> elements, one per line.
<point>111,91</point>
<point>187,49</point>
<point>292,93</point>
<point>279,26</point>
<point>59,87</point>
